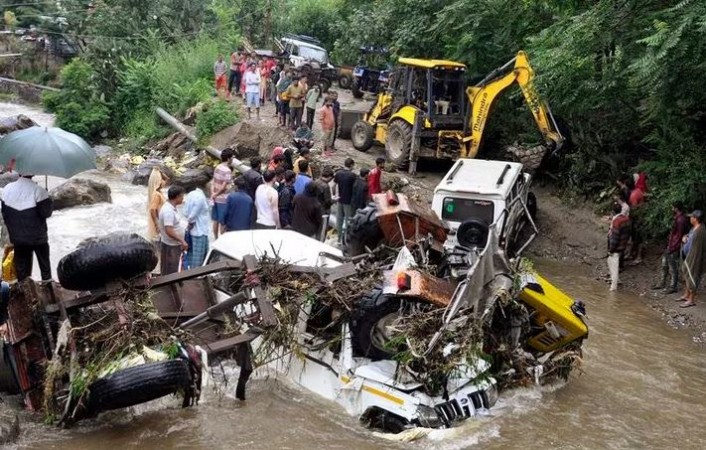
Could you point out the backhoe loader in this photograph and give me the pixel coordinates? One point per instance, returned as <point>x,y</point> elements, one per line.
<point>429,112</point>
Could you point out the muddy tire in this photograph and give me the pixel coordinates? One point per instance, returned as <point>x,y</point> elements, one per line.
<point>102,260</point>
<point>355,90</point>
<point>532,206</point>
<point>137,385</point>
<point>345,81</point>
<point>324,85</point>
<point>362,135</point>
<point>399,144</point>
<point>363,231</point>
<point>8,381</point>
<point>372,315</point>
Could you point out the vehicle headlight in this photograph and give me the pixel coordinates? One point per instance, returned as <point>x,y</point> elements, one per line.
<point>492,393</point>
<point>428,417</point>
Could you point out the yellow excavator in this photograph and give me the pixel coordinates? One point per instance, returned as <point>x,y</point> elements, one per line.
<point>429,112</point>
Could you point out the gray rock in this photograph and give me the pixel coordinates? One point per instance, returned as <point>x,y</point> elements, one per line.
<point>8,177</point>
<point>194,178</point>
<point>9,426</point>
<point>79,191</point>
<point>14,123</point>
<point>117,166</point>
<point>143,171</point>
<point>102,151</point>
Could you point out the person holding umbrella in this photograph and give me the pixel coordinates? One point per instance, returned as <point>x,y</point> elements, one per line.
<point>25,209</point>
<point>25,205</point>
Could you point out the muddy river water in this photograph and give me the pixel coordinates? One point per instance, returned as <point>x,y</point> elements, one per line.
<point>643,384</point>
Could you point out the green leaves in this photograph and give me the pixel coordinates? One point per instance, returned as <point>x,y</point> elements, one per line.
<point>214,118</point>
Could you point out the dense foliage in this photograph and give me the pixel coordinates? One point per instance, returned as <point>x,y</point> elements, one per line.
<point>215,117</point>
<point>624,75</point>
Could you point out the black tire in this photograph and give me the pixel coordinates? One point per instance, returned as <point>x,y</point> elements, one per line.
<point>324,85</point>
<point>363,231</point>
<point>532,206</point>
<point>473,233</point>
<point>138,385</point>
<point>355,90</point>
<point>399,144</point>
<point>345,81</point>
<point>8,380</point>
<point>362,136</point>
<point>372,314</point>
<point>105,259</point>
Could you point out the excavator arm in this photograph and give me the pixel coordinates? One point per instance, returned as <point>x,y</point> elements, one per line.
<point>482,95</point>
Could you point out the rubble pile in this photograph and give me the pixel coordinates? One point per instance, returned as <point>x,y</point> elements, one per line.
<point>99,341</point>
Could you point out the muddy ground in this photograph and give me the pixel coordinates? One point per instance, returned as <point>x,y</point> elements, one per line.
<point>569,232</point>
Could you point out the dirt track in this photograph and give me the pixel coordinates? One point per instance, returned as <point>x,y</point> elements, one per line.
<point>568,232</point>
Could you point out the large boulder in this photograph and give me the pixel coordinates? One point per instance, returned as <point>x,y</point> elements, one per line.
<point>14,123</point>
<point>79,191</point>
<point>103,151</point>
<point>7,178</point>
<point>243,137</point>
<point>9,426</point>
<point>194,178</point>
<point>141,175</point>
<point>117,166</point>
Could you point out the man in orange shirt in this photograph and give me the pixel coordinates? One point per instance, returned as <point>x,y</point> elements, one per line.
<point>328,124</point>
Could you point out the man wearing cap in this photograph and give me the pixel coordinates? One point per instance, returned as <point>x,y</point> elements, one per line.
<point>25,209</point>
<point>695,263</point>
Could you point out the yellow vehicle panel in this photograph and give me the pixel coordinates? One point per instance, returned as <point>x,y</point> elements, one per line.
<point>381,133</point>
<point>554,308</point>
<point>408,113</point>
<point>431,63</point>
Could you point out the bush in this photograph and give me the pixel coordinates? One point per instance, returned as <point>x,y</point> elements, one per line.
<point>78,107</point>
<point>214,118</point>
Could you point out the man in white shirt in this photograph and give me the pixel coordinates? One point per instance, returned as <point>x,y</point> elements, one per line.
<point>197,214</point>
<point>252,89</point>
<point>266,203</point>
<point>171,232</point>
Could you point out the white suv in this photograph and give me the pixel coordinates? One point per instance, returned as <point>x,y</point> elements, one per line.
<point>488,192</point>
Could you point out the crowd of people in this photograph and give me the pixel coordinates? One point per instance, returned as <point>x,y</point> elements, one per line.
<point>684,255</point>
<point>276,194</point>
<point>258,79</point>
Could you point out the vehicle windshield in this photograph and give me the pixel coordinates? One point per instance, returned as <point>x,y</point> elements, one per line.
<point>461,209</point>
<point>447,92</point>
<point>313,53</point>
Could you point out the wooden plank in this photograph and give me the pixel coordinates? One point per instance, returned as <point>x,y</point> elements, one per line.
<point>101,295</point>
<point>342,271</point>
<point>267,312</point>
<point>229,343</point>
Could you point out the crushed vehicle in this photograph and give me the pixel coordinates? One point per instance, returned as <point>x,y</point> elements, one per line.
<point>429,112</point>
<point>474,193</point>
<point>307,55</point>
<point>392,335</point>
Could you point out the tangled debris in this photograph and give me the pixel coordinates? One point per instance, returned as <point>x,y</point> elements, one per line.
<point>99,341</point>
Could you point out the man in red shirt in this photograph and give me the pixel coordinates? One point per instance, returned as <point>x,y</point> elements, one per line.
<point>375,177</point>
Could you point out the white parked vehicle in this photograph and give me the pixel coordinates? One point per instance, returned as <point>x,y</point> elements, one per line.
<point>378,391</point>
<point>489,192</point>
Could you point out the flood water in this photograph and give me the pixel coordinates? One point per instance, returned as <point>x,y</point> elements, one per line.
<point>642,385</point>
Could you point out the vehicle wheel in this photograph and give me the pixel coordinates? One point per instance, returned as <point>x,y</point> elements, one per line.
<point>532,206</point>
<point>355,90</point>
<point>363,231</point>
<point>324,85</point>
<point>398,144</point>
<point>108,258</point>
<point>473,233</point>
<point>362,135</point>
<point>137,385</point>
<point>372,316</point>
<point>8,381</point>
<point>345,81</point>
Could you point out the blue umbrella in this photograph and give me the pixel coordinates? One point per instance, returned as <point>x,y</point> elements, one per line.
<point>47,151</point>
